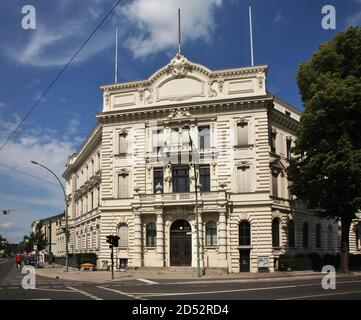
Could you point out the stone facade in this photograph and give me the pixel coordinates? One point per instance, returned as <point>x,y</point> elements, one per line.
<point>134,174</point>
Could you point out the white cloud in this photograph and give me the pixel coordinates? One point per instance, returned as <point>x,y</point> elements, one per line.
<point>155,22</point>
<point>43,145</point>
<point>355,19</point>
<point>59,34</point>
<point>278,17</point>
<point>6,225</point>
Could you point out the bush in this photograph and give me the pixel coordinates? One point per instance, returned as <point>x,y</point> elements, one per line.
<point>292,262</point>
<point>315,261</point>
<point>355,262</point>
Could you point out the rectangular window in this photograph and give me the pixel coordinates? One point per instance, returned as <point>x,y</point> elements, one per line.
<point>274,185</point>
<point>157,141</point>
<point>123,235</point>
<point>123,144</point>
<point>157,178</point>
<point>243,179</point>
<point>185,137</point>
<point>273,142</point>
<point>123,185</point>
<point>288,147</point>
<point>174,137</point>
<point>92,200</point>
<point>181,179</point>
<point>204,137</point>
<point>242,134</point>
<point>204,178</point>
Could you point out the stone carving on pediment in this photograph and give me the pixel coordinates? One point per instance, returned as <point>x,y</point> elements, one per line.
<point>260,79</point>
<point>220,82</point>
<point>141,92</point>
<point>211,91</point>
<point>179,66</point>
<point>106,98</point>
<point>149,98</point>
<point>181,113</point>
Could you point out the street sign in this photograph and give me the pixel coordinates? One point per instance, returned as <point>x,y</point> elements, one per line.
<point>35,247</point>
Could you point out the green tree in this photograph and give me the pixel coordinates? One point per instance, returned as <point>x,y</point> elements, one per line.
<point>326,171</point>
<point>37,237</point>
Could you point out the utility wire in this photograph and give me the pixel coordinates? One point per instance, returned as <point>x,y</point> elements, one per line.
<point>27,174</point>
<point>58,76</point>
<point>28,209</point>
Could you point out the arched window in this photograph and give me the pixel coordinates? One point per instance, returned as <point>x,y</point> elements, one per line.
<point>276,232</point>
<point>291,234</point>
<point>211,234</point>
<point>244,233</point>
<point>305,235</point>
<point>151,235</point>
<point>358,237</point>
<point>318,236</point>
<point>123,235</point>
<point>330,237</point>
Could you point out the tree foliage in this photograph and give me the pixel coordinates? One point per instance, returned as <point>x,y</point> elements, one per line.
<point>326,172</point>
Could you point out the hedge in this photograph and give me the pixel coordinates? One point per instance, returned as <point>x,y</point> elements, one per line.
<point>314,261</point>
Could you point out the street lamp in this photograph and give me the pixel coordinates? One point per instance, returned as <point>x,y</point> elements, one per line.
<point>66,212</point>
<point>199,274</point>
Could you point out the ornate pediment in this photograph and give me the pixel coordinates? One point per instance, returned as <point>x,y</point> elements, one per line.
<point>277,167</point>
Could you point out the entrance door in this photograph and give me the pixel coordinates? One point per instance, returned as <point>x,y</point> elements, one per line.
<point>244,261</point>
<point>180,243</point>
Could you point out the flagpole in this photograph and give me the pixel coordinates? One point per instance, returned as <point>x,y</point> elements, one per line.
<point>116,56</point>
<point>179,31</point>
<point>251,34</point>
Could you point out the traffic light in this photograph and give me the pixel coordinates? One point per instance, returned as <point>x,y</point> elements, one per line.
<point>116,241</point>
<point>113,240</point>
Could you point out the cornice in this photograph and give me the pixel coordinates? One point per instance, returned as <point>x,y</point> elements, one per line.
<point>167,109</point>
<point>283,119</point>
<point>92,141</point>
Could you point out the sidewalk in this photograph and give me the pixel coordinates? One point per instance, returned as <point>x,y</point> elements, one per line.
<point>105,276</point>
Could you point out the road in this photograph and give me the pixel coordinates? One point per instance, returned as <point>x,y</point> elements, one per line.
<point>347,287</point>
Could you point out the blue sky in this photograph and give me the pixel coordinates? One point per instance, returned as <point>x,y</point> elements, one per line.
<point>215,34</point>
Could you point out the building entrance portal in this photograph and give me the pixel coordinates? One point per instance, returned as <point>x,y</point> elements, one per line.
<point>180,244</point>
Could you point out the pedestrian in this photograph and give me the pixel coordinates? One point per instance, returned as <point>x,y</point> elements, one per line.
<point>18,261</point>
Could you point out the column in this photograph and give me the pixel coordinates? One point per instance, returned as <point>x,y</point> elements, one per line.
<point>137,249</point>
<point>160,239</point>
<point>222,236</point>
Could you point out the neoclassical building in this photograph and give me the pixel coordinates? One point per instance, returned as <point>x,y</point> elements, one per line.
<point>136,173</point>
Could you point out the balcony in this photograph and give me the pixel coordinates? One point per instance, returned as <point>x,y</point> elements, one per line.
<point>184,198</point>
